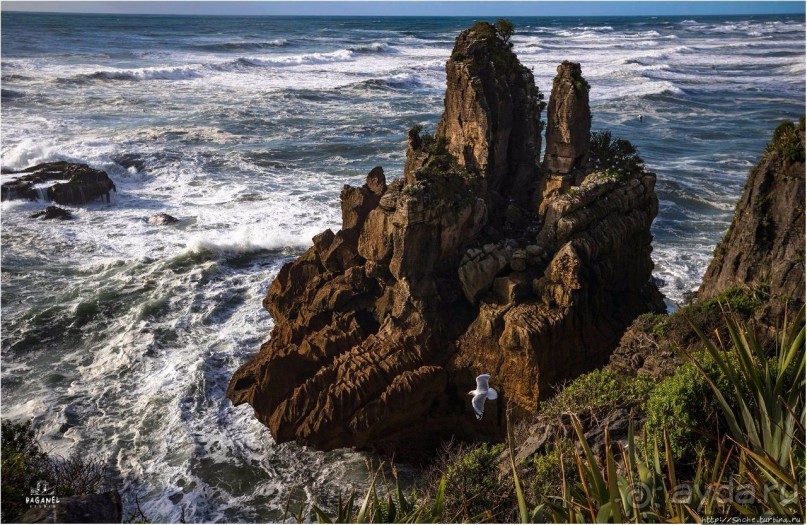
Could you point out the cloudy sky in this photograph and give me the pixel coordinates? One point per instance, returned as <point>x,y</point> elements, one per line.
<point>413,8</point>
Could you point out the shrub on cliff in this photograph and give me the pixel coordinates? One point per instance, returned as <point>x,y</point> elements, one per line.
<point>683,405</point>
<point>614,157</point>
<point>476,493</point>
<point>505,29</point>
<point>787,141</point>
<point>756,468</point>
<point>676,330</point>
<point>596,392</point>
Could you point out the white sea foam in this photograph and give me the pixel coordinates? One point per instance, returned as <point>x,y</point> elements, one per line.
<point>371,47</point>
<point>156,73</point>
<point>342,55</point>
<point>245,240</point>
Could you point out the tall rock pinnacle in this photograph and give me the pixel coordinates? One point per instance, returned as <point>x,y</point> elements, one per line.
<point>450,272</point>
<point>568,121</point>
<point>492,115</point>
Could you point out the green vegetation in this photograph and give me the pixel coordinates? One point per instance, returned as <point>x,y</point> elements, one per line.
<point>476,493</point>
<point>683,406</point>
<point>544,473</point>
<point>24,464</point>
<point>411,190</point>
<point>505,29</point>
<point>595,393</point>
<point>787,141</point>
<point>484,31</point>
<point>615,158</point>
<point>581,85</point>
<point>707,315</point>
<point>442,176</point>
<point>761,404</point>
<point>498,39</point>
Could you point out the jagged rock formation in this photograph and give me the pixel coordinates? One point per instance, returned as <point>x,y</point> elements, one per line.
<point>765,243</point>
<point>78,184</point>
<point>462,267</point>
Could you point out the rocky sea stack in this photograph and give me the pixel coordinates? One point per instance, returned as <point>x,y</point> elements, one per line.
<point>481,259</point>
<point>765,242</point>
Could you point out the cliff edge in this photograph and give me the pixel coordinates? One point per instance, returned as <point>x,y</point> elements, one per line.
<point>765,242</point>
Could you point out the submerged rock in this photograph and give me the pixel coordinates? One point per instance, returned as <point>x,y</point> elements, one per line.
<point>765,242</point>
<point>53,212</point>
<point>381,327</point>
<point>159,219</point>
<point>77,184</point>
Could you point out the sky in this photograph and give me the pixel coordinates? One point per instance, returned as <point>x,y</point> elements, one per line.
<point>414,7</point>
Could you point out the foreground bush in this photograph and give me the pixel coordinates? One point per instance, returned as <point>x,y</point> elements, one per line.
<point>756,469</point>
<point>24,464</point>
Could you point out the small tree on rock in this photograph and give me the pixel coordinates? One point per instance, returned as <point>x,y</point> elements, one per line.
<point>505,29</point>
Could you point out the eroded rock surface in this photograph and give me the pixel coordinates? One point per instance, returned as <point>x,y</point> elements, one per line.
<point>76,184</point>
<point>765,243</point>
<point>568,121</point>
<point>381,327</point>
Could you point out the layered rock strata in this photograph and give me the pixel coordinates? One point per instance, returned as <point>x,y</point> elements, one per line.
<point>460,268</point>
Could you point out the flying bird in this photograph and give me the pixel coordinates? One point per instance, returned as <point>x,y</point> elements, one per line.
<point>482,392</point>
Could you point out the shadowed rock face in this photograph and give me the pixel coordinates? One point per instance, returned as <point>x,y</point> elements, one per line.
<point>381,327</point>
<point>765,243</point>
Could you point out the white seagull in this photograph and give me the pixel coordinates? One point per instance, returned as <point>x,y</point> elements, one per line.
<point>482,392</point>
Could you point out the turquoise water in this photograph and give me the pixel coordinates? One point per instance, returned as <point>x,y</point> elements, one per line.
<point>119,337</point>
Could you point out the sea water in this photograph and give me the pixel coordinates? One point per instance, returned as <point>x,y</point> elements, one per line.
<point>119,337</point>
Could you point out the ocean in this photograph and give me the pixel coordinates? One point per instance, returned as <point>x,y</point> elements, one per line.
<point>119,337</point>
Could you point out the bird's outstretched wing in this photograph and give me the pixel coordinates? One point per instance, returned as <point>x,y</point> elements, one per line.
<point>478,403</point>
<point>482,382</point>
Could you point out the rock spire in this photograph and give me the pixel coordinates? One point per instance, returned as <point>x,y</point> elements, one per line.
<point>453,271</point>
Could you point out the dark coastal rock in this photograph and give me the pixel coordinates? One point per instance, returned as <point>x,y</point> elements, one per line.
<point>765,242</point>
<point>159,219</point>
<point>91,508</point>
<point>53,212</point>
<point>78,183</point>
<point>381,327</point>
